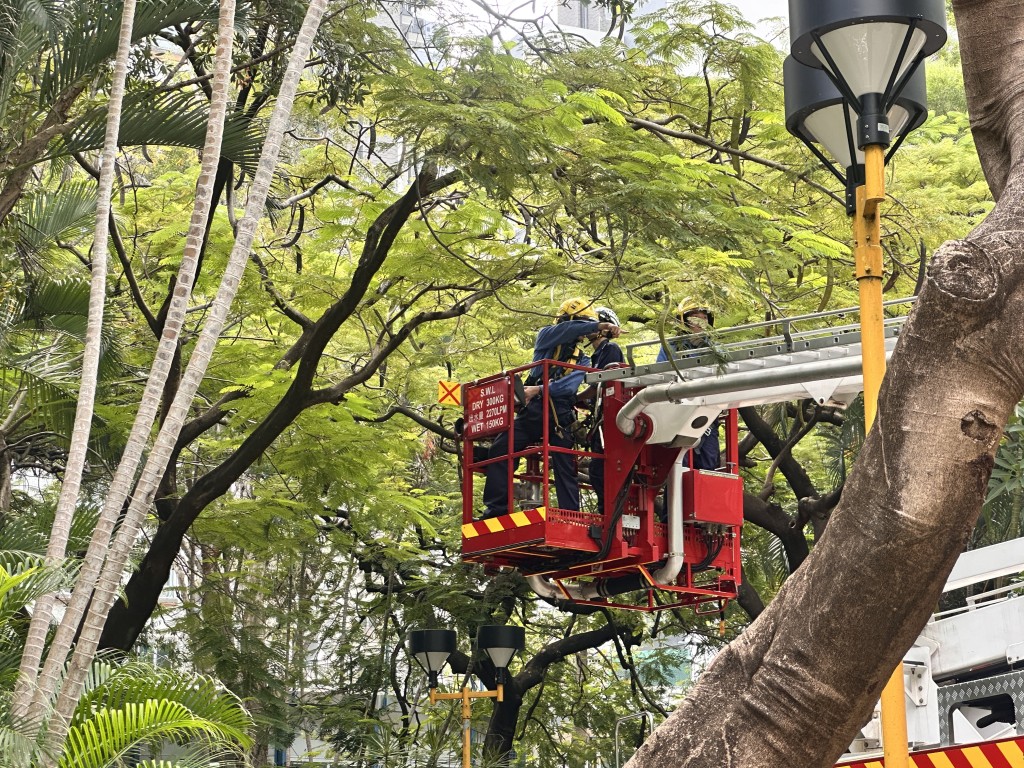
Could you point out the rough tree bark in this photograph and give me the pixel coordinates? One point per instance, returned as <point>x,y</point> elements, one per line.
<point>794,688</point>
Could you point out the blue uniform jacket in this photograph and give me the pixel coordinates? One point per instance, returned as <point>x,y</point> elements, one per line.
<point>684,344</point>
<point>548,341</point>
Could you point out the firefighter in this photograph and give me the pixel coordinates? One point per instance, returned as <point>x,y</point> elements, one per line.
<point>606,352</point>
<point>696,320</point>
<point>575,321</point>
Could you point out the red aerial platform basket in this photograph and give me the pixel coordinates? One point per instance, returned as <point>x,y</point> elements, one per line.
<point>653,546</point>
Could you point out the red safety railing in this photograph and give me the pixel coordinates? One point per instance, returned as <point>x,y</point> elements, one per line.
<point>489,411</point>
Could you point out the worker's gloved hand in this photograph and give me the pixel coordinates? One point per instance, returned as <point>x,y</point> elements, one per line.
<point>581,432</point>
<point>531,392</point>
<point>519,391</point>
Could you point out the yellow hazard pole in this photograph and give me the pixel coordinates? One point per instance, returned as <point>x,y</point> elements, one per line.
<point>867,234</point>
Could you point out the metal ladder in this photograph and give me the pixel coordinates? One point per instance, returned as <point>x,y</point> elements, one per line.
<point>804,356</point>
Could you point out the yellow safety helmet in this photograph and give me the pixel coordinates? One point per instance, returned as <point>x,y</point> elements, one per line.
<point>689,306</point>
<point>576,308</point>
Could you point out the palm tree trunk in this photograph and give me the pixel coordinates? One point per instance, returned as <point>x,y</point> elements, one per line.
<point>68,499</point>
<point>5,480</point>
<point>138,438</point>
<point>106,589</point>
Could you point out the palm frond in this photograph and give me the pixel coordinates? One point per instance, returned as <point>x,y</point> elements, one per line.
<point>205,697</point>
<point>45,14</point>
<point>27,27</point>
<point>11,309</point>
<point>40,523</point>
<point>20,587</point>
<point>840,447</point>
<point>49,382</point>
<point>173,120</point>
<point>19,746</point>
<point>92,35</point>
<point>137,704</point>
<point>47,217</point>
<point>62,307</point>
<point>42,331</point>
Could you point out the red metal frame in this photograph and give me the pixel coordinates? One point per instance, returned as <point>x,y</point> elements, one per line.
<point>581,548</point>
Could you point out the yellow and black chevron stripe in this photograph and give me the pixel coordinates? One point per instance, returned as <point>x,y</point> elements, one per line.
<point>1008,753</point>
<point>504,523</point>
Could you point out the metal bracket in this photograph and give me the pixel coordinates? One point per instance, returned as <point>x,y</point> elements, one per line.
<point>914,683</point>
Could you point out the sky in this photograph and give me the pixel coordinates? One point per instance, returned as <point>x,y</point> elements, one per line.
<point>769,17</point>
<point>756,10</point>
<point>759,9</point>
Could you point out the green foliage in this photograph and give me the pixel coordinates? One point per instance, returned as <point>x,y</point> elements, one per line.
<point>49,217</point>
<point>173,120</point>
<point>840,447</point>
<point>135,705</point>
<point>90,30</point>
<point>125,707</point>
<point>1001,516</point>
<point>637,176</point>
<point>42,333</point>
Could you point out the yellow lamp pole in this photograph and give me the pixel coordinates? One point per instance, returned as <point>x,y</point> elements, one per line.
<point>467,696</point>
<point>867,254</point>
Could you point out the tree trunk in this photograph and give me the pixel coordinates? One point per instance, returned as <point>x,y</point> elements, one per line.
<point>106,588</point>
<point>125,474</point>
<point>794,688</point>
<point>67,501</point>
<point>501,728</point>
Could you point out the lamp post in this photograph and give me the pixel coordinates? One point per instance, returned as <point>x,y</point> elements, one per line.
<point>432,647</point>
<point>871,53</point>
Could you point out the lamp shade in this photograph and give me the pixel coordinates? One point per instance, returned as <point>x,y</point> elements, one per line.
<point>866,44</point>
<point>431,647</point>
<point>816,112</point>
<point>500,642</point>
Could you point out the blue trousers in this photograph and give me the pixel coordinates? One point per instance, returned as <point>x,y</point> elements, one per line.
<point>529,429</point>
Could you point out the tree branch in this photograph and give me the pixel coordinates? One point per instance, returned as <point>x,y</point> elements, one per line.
<point>704,141</point>
<point>335,393</point>
<point>773,518</point>
<point>794,473</point>
<point>416,416</point>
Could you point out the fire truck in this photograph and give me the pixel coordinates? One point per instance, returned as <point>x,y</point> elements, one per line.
<point>964,677</point>
<point>669,534</point>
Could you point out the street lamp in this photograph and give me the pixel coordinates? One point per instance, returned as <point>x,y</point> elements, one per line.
<point>819,115</point>
<point>432,647</point>
<point>872,52</point>
<point>870,48</point>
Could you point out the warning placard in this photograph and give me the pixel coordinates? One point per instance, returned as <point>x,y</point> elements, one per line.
<point>488,408</point>
<point>449,393</point>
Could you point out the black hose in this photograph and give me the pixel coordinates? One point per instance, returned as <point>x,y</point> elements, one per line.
<point>714,545</point>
